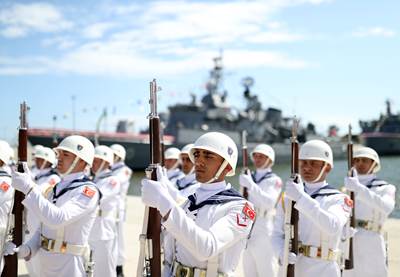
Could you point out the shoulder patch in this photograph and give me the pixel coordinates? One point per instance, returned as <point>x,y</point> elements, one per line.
<point>113,182</point>
<point>278,183</point>
<point>52,182</point>
<point>248,211</point>
<point>348,204</point>
<point>4,186</point>
<point>87,191</point>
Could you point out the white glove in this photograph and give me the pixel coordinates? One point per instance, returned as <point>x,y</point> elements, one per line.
<point>245,180</point>
<point>163,178</point>
<point>348,232</point>
<point>352,183</point>
<point>292,258</point>
<point>10,249</point>
<point>295,190</point>
<point>22,181</point>
<point>155,194</point>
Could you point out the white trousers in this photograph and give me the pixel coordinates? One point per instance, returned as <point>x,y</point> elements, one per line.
<point>369,255</point>
<point>104,257</point>
<point>121,240</point>
<point>259,259</point>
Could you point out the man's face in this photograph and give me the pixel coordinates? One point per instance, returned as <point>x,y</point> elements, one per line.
<point>187,164</point>
<point>65,159</point>
<point>206,164</point>
<point>259,160</point>
<point>97,163</point>
<point>310,169</point>
<point>362,165</point>
<point>39,163</point>
<point>169,163</point>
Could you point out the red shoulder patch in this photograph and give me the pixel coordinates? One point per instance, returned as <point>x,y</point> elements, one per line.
<point>113,182</point>
<point>4,186</point>
<point>88,192</point>
<point>52,182</point>
<point>278,183</point>
<point>248,211</point>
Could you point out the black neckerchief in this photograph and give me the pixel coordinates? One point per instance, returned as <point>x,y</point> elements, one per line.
<point>4,174</point>
<point>221,197</point>
<point>48,173</point>
<point>325,191</point>
<point>267,175</point>
<point>117,167</point>
<point>181,187</point>
<point>375,182</point>
<point>82,182</point>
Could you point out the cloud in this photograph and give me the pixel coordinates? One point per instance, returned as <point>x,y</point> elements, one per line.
<point>97,30</point>
<point>374,32</point>
<point>165,37</point>
<point>20,19</point>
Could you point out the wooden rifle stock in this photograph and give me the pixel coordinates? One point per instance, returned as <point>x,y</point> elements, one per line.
<point>154,217</point>
<point>294,219</point>
<point>349,263</point>
<point>11,261</point>
<point>245,160</point>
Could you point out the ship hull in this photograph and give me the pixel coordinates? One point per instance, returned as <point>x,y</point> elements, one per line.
<point>386,144</point>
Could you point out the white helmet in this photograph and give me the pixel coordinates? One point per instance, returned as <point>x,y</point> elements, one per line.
<point>172,153</point>
<point>119,150</point>
<point>316,150</point>
<point>220,144</point>
<point>265,150</point>
<point>186,148</point>
<point>79,146</point>
<point>36,148</point>
<point>4,151</point>
<point>104,153</point>
<point>367,152</point>
<point>46,154</point>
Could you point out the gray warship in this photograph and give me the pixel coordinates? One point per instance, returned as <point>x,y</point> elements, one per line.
<point>383,134</point>
<point>186,122</point>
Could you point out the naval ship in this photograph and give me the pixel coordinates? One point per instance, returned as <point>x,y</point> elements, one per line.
<point>383,134</point>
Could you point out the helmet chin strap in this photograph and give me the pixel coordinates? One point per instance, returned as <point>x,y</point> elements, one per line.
<point>175,165</point>
<point>71,167</point>
<point>43,164</point>
<point>101,167</point>
<point>191,171</point>
<point>320,173</point>
<point>371,168</point>
<point>216,176</point>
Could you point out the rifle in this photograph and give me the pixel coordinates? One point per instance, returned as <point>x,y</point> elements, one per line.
<point>11,261</point>
<point>245,160</point>
<point>162,125</point>
<point>291,243</point>
<point>149,264</point>
<point>349,263</point>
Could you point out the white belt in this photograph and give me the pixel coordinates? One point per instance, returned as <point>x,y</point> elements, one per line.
<point>180,270</point>
<point>63,247</point>
<point>317,253</point>
<point>101,213</point>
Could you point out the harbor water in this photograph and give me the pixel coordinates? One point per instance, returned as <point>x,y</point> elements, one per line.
<point>388,172</point>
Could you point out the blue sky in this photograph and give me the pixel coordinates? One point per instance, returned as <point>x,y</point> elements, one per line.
<point>327,61</point>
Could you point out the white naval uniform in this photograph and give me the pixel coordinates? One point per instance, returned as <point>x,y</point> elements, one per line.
<point>321,224</point>
<point>212,233</point>
<point>45,179</point>
<point>123,173</point>
<point>103,236</point>
<point>6,198</point>
<point>186,186</point>
<point>373,204</point>
<point>174,174</point>
<point>73,213</point>
<point>259,258</point>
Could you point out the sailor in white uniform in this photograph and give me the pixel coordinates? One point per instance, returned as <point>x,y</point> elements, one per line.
<point>264,188</point>
<point>103,237</point>
<point>323,214</point>
<point>374,201</point>
<point>35,169</point>
<point>6,197</point>
<point>66,216</point>
<point>124,174</point>
<point>172,163</point>
<point>212,226</point>
<point>46,178</point>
